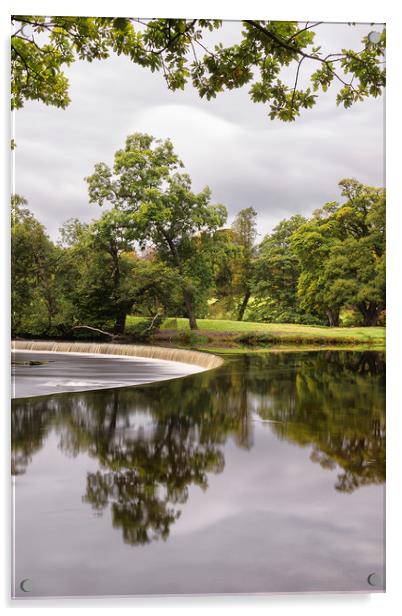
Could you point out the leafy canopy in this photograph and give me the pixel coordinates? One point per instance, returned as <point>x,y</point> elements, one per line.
<point>34,260</point>
<point>276,277</point>
<point>42,46</point>
<point>341,250</point>
<point>151,198</point>
<point>154,204</point>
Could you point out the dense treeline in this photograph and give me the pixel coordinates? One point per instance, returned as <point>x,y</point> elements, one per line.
<point>162,250</point>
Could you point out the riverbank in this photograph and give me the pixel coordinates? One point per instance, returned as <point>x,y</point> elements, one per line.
<point>227,336</point>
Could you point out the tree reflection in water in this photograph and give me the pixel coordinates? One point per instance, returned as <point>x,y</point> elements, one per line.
<point>153,442</point>
<point>334,402</point>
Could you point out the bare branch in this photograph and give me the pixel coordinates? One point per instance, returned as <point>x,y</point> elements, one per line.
<point>157,315</point>
<point>295,85</point>
<point>95,329</point>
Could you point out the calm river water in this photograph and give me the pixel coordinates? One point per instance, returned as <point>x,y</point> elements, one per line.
<point>264,475</point>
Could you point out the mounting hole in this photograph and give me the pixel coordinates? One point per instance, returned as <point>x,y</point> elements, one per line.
<point>374,37</point>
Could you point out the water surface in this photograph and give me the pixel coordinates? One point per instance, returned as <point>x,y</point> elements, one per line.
<point>47,372</point>
<point>264,475</point>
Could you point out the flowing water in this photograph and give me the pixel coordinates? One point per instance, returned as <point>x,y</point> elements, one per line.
<point>264,475</point>
<point>205,360</point>
<point>36,373</point>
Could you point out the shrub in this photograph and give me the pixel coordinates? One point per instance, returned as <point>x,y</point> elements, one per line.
<point>170,324</point>
<point>144,330</point>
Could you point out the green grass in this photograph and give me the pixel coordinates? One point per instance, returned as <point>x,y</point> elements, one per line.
<point>268,333</point>
<point>288,348</point>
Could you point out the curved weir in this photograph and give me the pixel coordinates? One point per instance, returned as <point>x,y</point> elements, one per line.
<point>45,368</point>
<point>204,360</point>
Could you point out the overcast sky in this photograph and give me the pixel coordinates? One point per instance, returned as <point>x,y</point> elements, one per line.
<point>229,143</point>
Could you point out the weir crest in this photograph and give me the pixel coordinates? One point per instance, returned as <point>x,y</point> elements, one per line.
<point>204,360</point>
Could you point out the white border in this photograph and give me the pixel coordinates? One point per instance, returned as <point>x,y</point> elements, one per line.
<point>342,10</point>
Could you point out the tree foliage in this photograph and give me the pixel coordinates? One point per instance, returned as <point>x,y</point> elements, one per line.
<point>342,254</point>
<point>43,46</point>
<point>153,202</point>
<point>308,270</point>
<point>276,277</point>
<point>244,229</point>
<point>92,278</point>
<point>34,261</point>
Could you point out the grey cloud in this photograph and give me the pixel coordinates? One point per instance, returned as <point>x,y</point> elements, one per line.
<point>227,143</point>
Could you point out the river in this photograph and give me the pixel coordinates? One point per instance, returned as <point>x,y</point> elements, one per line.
<point>266,474</point>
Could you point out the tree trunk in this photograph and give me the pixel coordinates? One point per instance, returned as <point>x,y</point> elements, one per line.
<point>243,306</point>
<point>370,320</point>
<point>43,279</point>
<point>188,302</point>
<point>187,295</point>
<point>370,314</point>
<point>120,322</point>
<point>333,317</point>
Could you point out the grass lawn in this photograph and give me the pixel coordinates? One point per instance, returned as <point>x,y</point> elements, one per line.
<point>280,332</point>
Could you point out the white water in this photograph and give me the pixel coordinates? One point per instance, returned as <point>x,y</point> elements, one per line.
<point>205,360</point>
<point>61,371</point>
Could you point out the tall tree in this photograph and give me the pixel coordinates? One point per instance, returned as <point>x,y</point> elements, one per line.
<point>356,265</point>
<point>33,262</point>
<point>98,273</point>
<point>342,254</point>
<point>154,203</point>
<point>104,279</point>
<point>277,274</point>
<point>42,46</point>
<point>245,233</point>
<point>227,257</point>
<point>312,243</point>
